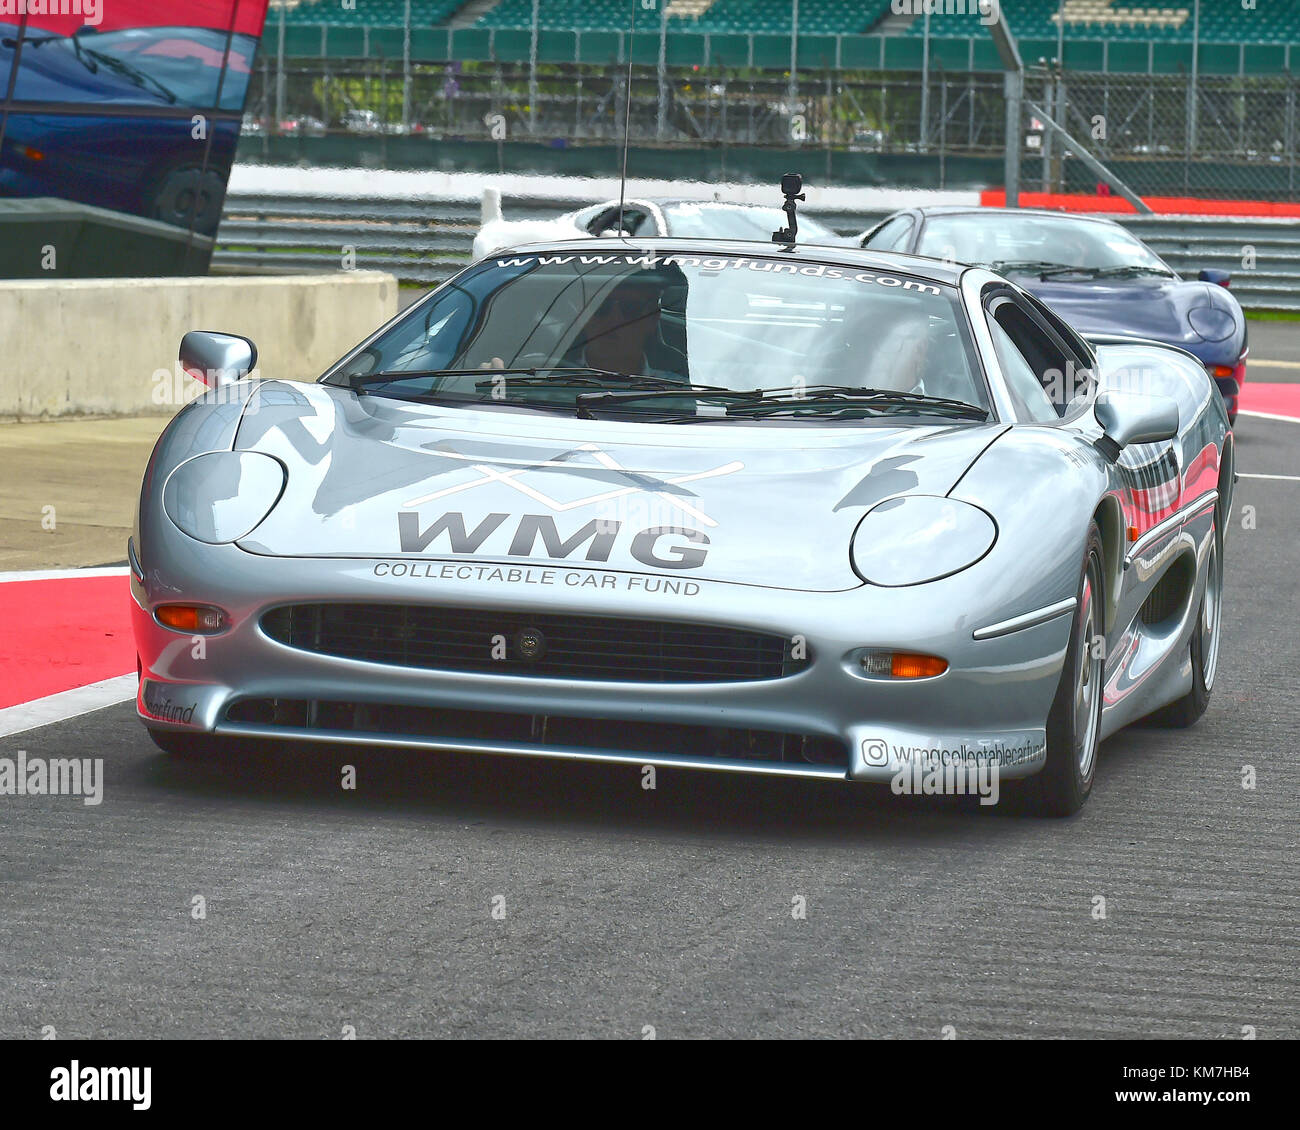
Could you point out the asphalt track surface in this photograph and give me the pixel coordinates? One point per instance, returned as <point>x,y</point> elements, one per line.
<point>674,909</point>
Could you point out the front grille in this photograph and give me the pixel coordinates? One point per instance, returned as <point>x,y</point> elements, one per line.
<point>538,731</point>
<point>537,644</point>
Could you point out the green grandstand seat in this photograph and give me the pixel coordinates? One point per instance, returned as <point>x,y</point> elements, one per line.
<point>816,17</point>
<point>1170,21</point>
<point>374,13</point>
<point>1158,21</point>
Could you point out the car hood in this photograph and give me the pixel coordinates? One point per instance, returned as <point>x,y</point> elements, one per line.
<point>769,504</point>
<point>1143,307</point>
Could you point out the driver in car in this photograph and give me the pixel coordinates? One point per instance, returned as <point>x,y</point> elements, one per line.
<point>620,330</point>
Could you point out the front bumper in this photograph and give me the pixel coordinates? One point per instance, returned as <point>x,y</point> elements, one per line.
<point>991,704</point>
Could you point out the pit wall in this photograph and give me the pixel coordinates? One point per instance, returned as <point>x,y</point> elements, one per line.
<point>96,347</point>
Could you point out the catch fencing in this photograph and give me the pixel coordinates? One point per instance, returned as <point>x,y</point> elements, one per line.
<point>1187,133</point>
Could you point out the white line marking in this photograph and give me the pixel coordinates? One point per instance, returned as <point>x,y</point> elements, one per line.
<point>66,704</point>
<point>1288,478</point>
<point>59,574</point>
<point>1270,416</point>
<point>1274,364</point>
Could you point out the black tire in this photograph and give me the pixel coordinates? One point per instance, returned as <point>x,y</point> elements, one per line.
<point>177,743</point>
<point>185,188</point>
<point>1187,710</point>
<point>1074,724</point>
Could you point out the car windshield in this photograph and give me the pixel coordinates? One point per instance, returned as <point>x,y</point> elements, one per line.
<point>185,61</point>
<point>1009,242</point>
<point>175,66</point>
<point>680,335</point>
<point>723,221</point>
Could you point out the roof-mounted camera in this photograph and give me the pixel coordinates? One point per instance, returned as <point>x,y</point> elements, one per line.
<point>792,190</point>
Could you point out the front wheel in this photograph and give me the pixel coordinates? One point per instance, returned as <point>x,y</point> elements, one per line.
<point>1074,724</point>
<point>185,192</point>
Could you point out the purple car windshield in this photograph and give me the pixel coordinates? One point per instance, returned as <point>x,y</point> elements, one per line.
<point>993,239</point>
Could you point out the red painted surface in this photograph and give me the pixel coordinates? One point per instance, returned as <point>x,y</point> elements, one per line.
<point>60,634</point>
<point>1163,205</point>
<point>1275,399</point>
<point>1201,474</point>
<point>245,16</point>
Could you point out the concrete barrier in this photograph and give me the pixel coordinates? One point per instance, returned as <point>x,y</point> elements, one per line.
<point>108,346</point>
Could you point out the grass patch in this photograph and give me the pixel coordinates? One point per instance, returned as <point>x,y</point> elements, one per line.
<point>1273,315</point>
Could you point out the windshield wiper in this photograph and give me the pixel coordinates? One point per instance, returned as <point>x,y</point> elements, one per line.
<point>1052,272</point>
<point>1002,266</point>
<point>358,381</point>
<point>548,376</point>
<point>715,392</point>
<point>1132,269</point>
<point>586,401</point>
<point>129,72</point>
<point>762,402</point>
<point>522,377</point>
<point>1106,272</point>
<point>839,399</point>
<point>586,375</point>
<point>41,40</point>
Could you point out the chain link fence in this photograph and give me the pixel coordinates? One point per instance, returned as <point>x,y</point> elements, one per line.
<point>1165,135</point>
<point>579,103</point>
<point>1176,135</point>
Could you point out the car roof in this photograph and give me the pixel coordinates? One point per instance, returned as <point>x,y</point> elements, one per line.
<point>669,201</point>
<point>665,201</point>
<point>976,210</point>
<point>919,266</point>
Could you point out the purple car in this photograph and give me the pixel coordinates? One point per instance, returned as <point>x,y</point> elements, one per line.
<point>141,120</point>
<point>1096,274</point>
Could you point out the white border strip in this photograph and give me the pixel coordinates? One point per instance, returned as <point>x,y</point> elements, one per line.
<point>66,704</point>
<point>467,188</point>
<point>60,574</point>
<point>1269,416</point>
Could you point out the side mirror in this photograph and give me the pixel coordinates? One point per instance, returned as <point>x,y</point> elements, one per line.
<point>1127,418</point>
<point>1214,275</point>
<point>217,359</point>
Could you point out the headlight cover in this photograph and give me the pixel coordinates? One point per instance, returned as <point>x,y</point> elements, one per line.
<point>220,496</point>
<point>920,538</point>
<point>1211,323</point>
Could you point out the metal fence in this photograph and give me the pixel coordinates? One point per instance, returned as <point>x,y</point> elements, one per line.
<point>418,243</point>
<point>425,243</point>
<point>584,104</point>
<point>1180,135</point>
<point>1165,135</point>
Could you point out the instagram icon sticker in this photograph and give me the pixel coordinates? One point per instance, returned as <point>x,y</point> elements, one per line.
<point>875,751</point>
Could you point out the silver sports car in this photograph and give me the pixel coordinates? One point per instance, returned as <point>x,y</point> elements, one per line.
<point>645,218</point>
<point>811,511</point>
